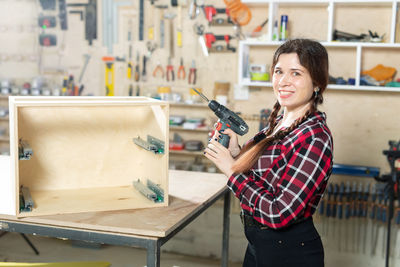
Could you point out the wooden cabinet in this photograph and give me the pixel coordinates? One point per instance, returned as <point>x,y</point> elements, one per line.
<point>84,157</point>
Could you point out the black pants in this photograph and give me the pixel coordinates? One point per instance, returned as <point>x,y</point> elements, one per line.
<point>297,245</point>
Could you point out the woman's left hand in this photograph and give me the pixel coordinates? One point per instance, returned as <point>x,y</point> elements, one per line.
<point>221,157</point>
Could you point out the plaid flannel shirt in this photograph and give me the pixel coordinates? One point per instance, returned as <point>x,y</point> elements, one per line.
<point>289,179</point>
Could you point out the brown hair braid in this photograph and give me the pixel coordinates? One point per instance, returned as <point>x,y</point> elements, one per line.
<point>313,56</point>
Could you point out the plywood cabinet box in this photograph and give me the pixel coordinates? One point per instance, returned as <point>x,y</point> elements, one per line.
<point>84,158</point>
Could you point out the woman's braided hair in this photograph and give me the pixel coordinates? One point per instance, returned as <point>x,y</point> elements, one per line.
<point>313,56</point>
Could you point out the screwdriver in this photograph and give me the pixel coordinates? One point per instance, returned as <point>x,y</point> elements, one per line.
<point>137,71</point>
<point>259,28</point>
<point>129,68</point>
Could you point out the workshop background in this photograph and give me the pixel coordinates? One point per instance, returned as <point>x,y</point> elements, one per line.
<point>92,39</point>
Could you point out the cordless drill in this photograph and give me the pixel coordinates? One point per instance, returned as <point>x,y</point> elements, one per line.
<point>227,119</point>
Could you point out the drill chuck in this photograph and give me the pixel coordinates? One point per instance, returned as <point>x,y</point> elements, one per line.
<point>227,119</point>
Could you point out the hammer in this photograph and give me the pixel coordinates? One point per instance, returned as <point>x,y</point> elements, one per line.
<point>170,17</point>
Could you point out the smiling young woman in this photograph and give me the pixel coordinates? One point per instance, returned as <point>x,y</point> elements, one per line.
<point>281,174</point>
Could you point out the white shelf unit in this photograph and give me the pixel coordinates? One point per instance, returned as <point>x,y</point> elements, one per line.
<point>273,6</point>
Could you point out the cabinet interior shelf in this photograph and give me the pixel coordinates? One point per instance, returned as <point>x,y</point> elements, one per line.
<point>194,105</point>
<point>180,128</point>
<point>185,152</point>
<point>255,42</point>
<point>385,2</point>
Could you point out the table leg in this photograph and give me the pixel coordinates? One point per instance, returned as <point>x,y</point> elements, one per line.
<point>225,231</point>
<point>153,253</point>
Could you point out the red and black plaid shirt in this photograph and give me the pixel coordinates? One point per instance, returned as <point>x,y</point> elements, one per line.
<point>289,179</point>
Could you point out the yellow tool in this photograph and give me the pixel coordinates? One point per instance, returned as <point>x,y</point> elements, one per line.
<point>179,28</point>
<point>129,68</point>
<point>109,75</point>
<point>65,84</point>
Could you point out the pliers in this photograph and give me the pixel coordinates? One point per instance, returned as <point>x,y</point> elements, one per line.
<point>192,73</point>
<point>158,68</point>
<point>181,71</point>
<point>170,71</point>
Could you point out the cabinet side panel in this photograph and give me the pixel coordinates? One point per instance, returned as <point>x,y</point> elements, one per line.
<point>7,188</point>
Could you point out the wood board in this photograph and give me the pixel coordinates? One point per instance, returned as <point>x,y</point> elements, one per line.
<point>189,192</point>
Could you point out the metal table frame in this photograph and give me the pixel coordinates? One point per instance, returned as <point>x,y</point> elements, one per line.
<point>151,244</point>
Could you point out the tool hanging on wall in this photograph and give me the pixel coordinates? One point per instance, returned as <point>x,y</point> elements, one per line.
<point>179,27</point>
<point>110,22</point>
<point>170,71</point>
<point>129,68</point>
<point>258,28</point>
<point>210,12</point>
<point>144,74</point>
<point>170,17</point>
<point>150,48</point>
<point>47,21</point>
<point>199,30</point>
<point>141,19</point>
<point>192,73</point>
<point>194,8</point>
<point>158,69</point>
<point>48,4</point>
<point>150,29</point>
<point>152,144</point>
<point>162,24</point>
<point>81,87</point>
<point>90,17</point>
<point>137,69</point>
<point>109,75</point>
<point>212,38</point>
<point>239,12</point>
<point>62,14</point>
<point>181,70</point>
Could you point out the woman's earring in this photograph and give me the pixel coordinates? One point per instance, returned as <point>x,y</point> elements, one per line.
<point>316,91</point>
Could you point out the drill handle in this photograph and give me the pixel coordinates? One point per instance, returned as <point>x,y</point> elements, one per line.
<point>224,139</point>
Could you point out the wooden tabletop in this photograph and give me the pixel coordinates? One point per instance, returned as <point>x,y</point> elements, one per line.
<point>188,193</point>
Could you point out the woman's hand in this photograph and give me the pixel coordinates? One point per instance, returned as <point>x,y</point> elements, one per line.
<point>220,156</point>
<point>233,147</point>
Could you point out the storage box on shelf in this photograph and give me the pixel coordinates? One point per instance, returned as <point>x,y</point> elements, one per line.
<point>196,110</point>
<point>337,16</point>
<point>190,159</point>
<point>84,156</point>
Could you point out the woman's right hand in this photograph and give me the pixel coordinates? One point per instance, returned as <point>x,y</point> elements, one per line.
<point>233,147</point>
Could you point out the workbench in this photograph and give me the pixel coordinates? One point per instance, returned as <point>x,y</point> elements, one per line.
<point>190,193</point>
